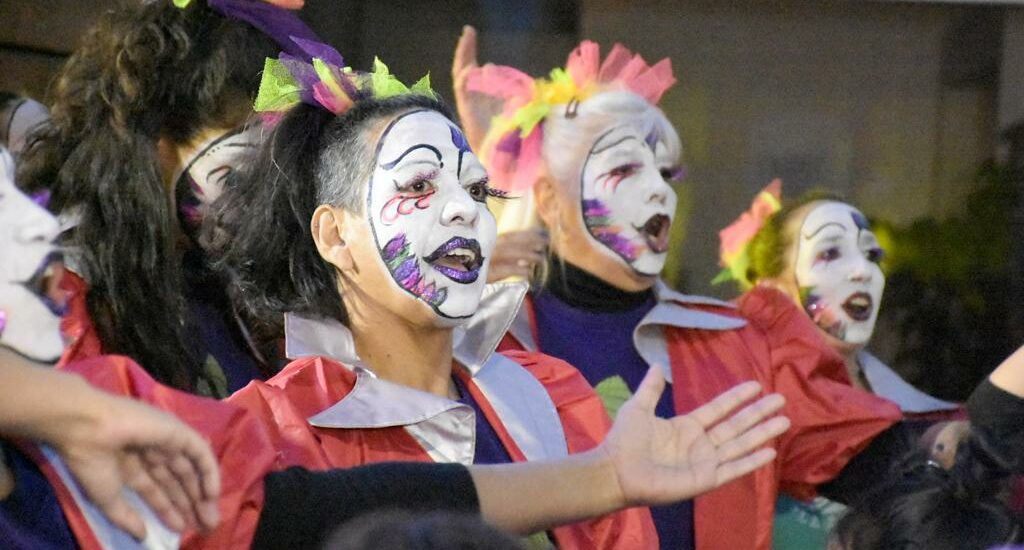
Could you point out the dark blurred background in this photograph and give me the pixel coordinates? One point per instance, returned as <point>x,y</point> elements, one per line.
<point>912,110</point>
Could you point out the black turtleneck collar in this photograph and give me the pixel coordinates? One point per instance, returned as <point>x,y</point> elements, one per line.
<point>583,290</point>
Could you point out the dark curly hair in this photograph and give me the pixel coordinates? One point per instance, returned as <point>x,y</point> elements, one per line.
<point>922,506</point>
<point>146,71</point>
<point>258,230</point>
<point>767,250</point>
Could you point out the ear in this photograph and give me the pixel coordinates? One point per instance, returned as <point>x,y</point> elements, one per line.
<point>546,202</point>
<point>329,233</point>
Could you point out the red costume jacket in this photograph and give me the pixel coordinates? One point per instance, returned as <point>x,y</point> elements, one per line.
<point>709,347</point>
<point>82,340</point>
<point>239,442</point>
<point>329,415</point>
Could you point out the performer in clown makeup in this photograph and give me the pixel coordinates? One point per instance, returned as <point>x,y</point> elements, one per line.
<point>376,268</point>
<point>592,160</point>
<point>822,253</point>
<point>75,492</point>
<point>131,156</point>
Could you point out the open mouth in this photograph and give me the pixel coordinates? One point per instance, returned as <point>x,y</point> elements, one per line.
<point>655,232</point>
<point>45,283</point>
<point>458,259</point>
<point>859,306</point>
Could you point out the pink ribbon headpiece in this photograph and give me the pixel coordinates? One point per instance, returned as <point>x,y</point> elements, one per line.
<point>512,149</point>
<point>734,249</point>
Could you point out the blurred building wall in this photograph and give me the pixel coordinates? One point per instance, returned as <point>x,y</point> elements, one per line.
<point>855,97</point>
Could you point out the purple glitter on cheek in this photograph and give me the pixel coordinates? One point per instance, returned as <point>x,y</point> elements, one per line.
<point>596,218</point>
<point>3,321</point>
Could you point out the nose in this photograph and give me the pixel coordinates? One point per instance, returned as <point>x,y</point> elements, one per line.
<point>657,196</point>
<point>861,271</point>
<point>460,210</point>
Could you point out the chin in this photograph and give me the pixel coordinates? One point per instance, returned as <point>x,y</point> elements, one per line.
<point>649,266</point>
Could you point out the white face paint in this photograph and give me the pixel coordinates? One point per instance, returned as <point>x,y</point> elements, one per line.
<point>202,180</point>
<point>427,209</point>
<point>31,304</point>
<point>628,204</point>
<point>837,272</point>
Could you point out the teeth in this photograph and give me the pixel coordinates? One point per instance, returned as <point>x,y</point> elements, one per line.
<point>461,253</point>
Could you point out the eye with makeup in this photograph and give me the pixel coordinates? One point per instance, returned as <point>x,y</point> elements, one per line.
<point>481,191</point>
<point>875,254</point>
<point>673,174</point>
<point>615,176</point>
<point>419,184</point>
<point>829,254</point>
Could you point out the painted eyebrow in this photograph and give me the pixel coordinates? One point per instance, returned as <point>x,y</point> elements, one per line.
<point>819,230</point>
<point>392,164</point>
<point>610,145</point>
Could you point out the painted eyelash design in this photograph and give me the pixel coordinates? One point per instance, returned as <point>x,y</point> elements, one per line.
<point>489,192</point>
<point>615,176</point>
<point>423,177</point>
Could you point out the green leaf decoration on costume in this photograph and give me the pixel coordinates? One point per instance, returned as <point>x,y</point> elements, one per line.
<point>323,70</point>
<point>384,84</point>
<point>422,86</point>
<point>724,276</point>
<point>613,392</point>
<point>278,89</point>
<point>537,541</point>
<point>182,3</point>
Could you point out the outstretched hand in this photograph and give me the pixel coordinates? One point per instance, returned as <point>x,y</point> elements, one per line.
<point>659,461</point>
<point>475,110</point>
<point>165,462</point>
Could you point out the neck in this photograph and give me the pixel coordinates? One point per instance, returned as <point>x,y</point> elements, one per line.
<point>414,356</point>
<point>584,290</point>
<point>853,368</point>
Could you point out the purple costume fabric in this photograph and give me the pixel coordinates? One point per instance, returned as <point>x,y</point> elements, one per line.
<point>31,517</point>
<point>489,449</point>
<point>570,332</point>
<point>277,23</point>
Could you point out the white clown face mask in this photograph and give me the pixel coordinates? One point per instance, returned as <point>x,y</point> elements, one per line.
<point>627,202</point>
<point>427,209</point>
<point>202,180</point>
<point>837,271</point>
<point>31,302</point>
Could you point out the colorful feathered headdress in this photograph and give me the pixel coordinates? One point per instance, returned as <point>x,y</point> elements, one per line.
<point>512,149</point>
<point>734,249</point>
<point>325,82</point>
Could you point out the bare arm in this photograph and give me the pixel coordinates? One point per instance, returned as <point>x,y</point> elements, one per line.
<point>645,460</point>
<point>110,443</point>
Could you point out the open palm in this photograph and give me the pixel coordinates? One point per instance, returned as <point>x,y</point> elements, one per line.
<point>659,461</point>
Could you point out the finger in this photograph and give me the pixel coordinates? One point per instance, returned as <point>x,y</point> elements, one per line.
<point>742,466</point>
<point>139,480</point>
<point>203,460</point>
<point>465,52</point>
<point>650,389</point>
<point>746,418</point>
<point>752,438</point>
<point>202,493</point>
<point>718,408</point>
<point>287,4</point>
<point>171,486</point>
<point>121,514</point>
